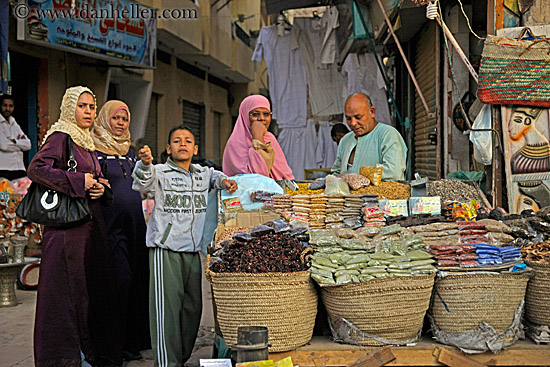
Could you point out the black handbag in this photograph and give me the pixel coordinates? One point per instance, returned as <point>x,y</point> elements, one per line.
<point>53,208</point>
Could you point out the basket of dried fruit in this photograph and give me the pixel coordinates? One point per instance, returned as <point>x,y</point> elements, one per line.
<point>261,278</point>
<point>537,297</point>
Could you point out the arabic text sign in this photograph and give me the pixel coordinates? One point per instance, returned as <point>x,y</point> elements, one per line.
<point>110,29</point>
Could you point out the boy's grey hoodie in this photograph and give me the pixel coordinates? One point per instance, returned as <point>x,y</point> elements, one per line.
<point>177,221</point>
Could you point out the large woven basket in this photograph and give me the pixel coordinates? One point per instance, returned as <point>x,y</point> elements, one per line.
<point>537,298</point>
<point>285,303</point>
<point>462,302</point>
<point>392,309</point>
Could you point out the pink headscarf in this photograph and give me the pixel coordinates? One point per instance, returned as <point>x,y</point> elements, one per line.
<point>239,155</point>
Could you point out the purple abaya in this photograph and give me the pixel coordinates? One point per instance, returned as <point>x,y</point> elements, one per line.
<point>75,303</point>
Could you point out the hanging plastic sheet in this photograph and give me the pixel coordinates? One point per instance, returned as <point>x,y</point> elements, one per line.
<point>483,142</point>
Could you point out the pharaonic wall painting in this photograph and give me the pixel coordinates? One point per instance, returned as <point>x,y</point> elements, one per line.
<point>526,136</point>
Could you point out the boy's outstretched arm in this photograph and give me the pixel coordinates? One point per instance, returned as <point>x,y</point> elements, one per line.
<point>220,181</point>
<point>144,173</point>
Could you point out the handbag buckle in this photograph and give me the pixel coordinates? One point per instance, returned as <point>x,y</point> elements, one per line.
<point>71,163</point>
<point>54,200</point>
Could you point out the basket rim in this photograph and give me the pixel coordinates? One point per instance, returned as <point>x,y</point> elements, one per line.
<point>374,281</point>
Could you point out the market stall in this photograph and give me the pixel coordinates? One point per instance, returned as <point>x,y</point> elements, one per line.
<point>382,260</point>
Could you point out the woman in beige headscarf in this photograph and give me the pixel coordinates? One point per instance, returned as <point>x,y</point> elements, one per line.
<point>74,308</point>
<point>125,227</point>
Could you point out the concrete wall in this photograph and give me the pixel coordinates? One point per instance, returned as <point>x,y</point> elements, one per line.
<point>248,8</point>
<point>538,13</point>
<point>174,85</point>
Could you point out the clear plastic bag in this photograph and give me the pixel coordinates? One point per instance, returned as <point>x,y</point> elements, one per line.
<point>336,186</point>
<point>323,237</point>
<point>483,140</point>
<point>318,184</point>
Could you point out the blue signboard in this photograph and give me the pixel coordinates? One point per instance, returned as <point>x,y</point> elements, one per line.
<point>119,30</point>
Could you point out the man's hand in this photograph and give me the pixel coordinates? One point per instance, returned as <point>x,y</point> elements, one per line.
<point>258,130</point>
<point>230,186</point>
<point>96,191</point>
<point>145,155</point>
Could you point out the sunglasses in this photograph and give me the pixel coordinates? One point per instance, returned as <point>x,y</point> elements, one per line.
<point>257,115</point>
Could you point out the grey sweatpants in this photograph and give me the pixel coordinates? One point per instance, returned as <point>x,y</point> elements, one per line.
<point>175,305</point>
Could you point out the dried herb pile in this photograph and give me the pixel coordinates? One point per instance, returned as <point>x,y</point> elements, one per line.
<point>537,252</point>
<point>261,252</point>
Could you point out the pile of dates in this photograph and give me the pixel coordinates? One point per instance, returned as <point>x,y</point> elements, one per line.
<point>269,248</point>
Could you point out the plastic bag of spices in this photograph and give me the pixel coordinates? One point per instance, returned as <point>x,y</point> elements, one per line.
<point>261,230</point>
<point>374,174</point>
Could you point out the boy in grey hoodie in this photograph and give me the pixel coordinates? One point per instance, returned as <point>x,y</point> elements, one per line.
<point>174,234</point>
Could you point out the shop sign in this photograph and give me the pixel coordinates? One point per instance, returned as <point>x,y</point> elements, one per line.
<point>121,31</point>
<point>526,132</point>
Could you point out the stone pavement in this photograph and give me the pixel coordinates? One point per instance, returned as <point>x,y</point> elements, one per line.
<point>16,327</point>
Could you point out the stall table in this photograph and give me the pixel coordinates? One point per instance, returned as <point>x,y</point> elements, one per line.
<point>321,351</point>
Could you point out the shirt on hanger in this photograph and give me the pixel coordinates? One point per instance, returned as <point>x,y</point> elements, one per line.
<point>363,75</point>
<point>323,80</point>
<point>299,146</point>
<point>287,76</point>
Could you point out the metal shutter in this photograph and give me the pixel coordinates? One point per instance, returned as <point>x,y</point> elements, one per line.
<point>151,138</point>
<point>193,119</point>
<point>427,128</point>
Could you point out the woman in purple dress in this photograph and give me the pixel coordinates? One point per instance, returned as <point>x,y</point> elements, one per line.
<point>126,228</point>
<point>74,308</point>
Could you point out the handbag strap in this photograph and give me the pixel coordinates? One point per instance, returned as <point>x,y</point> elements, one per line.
<point>71,163</point>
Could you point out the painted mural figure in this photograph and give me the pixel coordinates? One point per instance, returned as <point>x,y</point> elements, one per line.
<point>533,157</point>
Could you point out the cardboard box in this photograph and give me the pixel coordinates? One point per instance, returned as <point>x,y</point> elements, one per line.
<point>425,205</point>
<point>393,207</point>
<point>254,218</point>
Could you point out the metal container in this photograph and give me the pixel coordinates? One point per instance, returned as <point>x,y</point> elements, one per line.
<point>252,344</point>
<point>19,245</point>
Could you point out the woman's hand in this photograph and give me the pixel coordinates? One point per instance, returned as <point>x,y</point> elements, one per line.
<point>258,130</point>
<point>96,191</point>
<point>145,155</point>
<point>89,181</point>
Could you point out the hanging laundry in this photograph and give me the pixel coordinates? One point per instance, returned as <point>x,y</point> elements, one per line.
<point>299,146</point>
<point>326,147</point>
<point>324,81</point>
<point>287,76</point>
<point>363,75</point>
<point>328,49</point>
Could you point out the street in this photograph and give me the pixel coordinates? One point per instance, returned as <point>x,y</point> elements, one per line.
<point>16,330</point>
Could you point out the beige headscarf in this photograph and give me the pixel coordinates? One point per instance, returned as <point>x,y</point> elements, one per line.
<point>104,139</point>
<point>67,120</point>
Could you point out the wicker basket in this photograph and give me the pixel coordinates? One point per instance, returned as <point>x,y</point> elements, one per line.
<point>537,298</point>
<point>390,309</point>
<point>286,303</point>
<point>462,302</point>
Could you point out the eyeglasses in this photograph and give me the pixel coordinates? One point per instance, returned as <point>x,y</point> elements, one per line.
<point>257,115</point>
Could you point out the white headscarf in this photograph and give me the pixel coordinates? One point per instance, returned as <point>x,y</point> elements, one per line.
<point>67,121</point>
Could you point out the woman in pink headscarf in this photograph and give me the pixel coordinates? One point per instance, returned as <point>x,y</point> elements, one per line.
<point>251,148</point>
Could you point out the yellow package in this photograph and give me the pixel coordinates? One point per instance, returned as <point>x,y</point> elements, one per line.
<point>374,174</point>
<point>267,363</point>
<point>285,362</point>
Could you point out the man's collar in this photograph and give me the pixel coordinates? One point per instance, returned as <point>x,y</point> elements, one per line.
<point>3,119</point>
